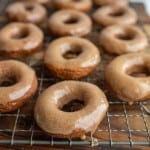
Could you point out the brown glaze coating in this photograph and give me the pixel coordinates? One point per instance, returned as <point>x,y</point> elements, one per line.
<point>120,39</point>
<point>115,14</point>
<point>121,82</point>
<point>14,96</point>
<point>112,2</point>
<point>81,5</point>
<point>83,64</point>
<point>20,39</point>
<point>54,121</point>
<point>26,11</point>
<point>70,22</point>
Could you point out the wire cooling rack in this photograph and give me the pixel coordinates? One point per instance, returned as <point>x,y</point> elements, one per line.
<point>123,124</point>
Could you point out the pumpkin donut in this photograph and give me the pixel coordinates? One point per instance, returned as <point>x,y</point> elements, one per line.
<point>115,14</point>
<point>26,11</point>
<point>70,22</point>
<point>112,2</point>
<point>54,120</point>
<point>81,5</point>
<point>120,39</point>
<point>22,84</point>
<point>20,39</point>
<point>128,78</point>
<point>71,57</point>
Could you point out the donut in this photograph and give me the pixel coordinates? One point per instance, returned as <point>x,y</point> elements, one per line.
<point>129,80</point>
<point>54,120</point>
<point>26,11</point>
<point>112,2</point>
<point>18,84</point>
<point>20,39</point>
<point>71,57</point>
<point>70,22</point>
<point>120,39</point>
<point>114,14</point>
<point>43,2</point>
<point>81,5</point>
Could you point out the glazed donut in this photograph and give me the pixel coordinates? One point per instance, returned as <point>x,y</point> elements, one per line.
<point>54,120</point>
<point>43,2</point>
<point>122,78</point>
<point>120,39</point>
<point>70,22</point>
<point>71,57</point>
<point>81,5</point>
<point>22,84</point>
<point>26,11</point>
<point>20,39</point>
<point>115,14</point>
<point>112,2</point>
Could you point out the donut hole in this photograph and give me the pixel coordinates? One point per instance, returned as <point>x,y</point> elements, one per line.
<point>20,34</point>
<point>29,8</point>
<point>71,20</point>
<point>8,80</point>
<point>125,36</point>
<point>72,53</point>
<point>73,105</point>
<point>139,71</point>
<point>118,13</point>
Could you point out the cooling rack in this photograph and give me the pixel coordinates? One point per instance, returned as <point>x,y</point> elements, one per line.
<point>123,124</point>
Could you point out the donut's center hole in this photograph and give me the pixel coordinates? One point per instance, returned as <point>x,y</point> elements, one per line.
<point>125,37</point>
<point>118,13</point>
<point>23,33</point>
<point>29,8</point>
<point>74,52</point>
<point>139,71</point>
<point>73,106</point>
<point>71,20</point>
<point>8,81</point>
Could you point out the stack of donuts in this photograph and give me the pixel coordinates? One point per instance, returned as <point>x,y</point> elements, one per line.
<point>71,56</point>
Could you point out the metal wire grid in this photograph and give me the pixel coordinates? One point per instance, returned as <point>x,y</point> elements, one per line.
<point>28,133</point>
